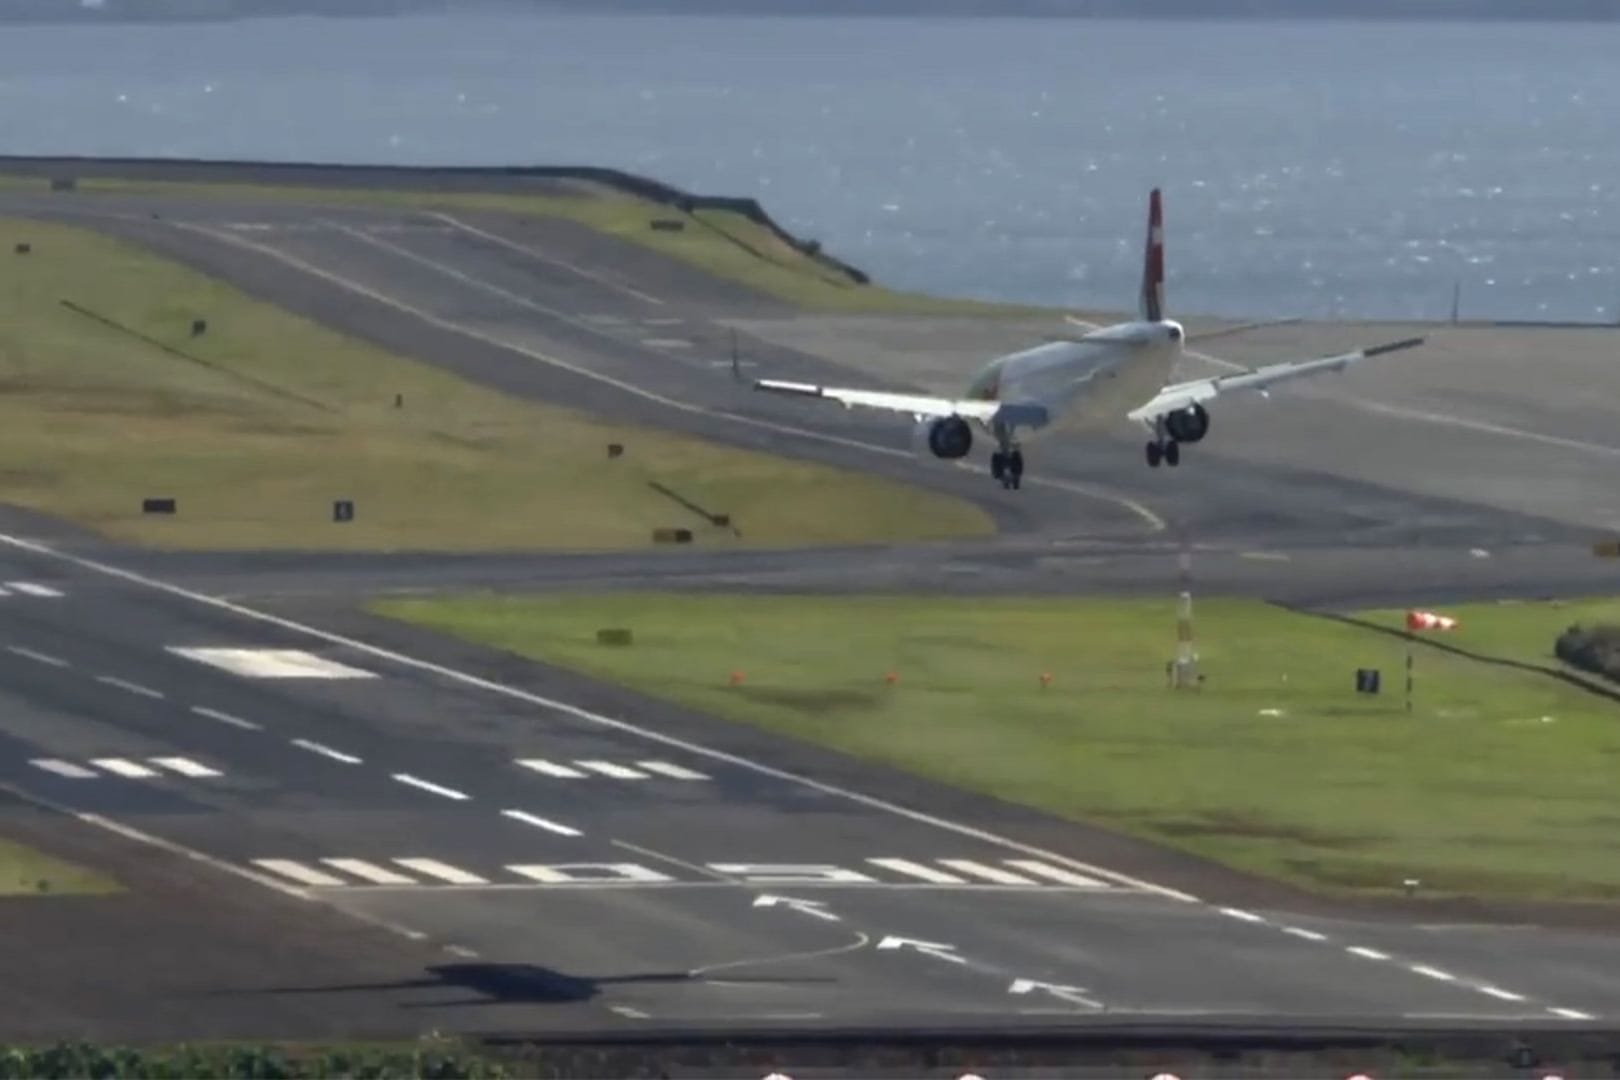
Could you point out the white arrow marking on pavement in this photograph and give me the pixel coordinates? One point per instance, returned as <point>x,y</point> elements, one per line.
<point>1075,994</point>
<point>808,907</point>
<point>932,948</point>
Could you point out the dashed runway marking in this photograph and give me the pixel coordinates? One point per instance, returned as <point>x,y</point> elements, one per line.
<point>30,588</point>
<point>131,687</point>
<point>125,767</point>
<point>37,657</point>
<point>579,770</point>
<point>272,663</point>
<point>326,751</point>
<point>540,822</point>
<point>428,785</point>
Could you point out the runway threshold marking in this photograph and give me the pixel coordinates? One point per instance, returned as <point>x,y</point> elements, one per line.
<point>1155,523</point>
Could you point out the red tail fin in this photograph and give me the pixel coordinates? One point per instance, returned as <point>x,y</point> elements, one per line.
<point>1151,306</point>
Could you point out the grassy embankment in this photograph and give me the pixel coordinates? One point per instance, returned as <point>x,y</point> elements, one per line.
<point>26,872</point>
<point>1495,785</point>
<point>279,417</point>
<point>720,242</point>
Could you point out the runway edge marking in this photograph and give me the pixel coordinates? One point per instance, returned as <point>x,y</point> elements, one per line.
<point>1154,521</point>
<point>587,715</point>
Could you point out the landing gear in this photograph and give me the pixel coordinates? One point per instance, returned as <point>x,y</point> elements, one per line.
<point>1162,448</point>
<point>1007,462</point>
<point>1008,468</point>
<point>1168,452</point>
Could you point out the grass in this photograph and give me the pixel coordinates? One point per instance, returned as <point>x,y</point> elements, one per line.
<point>92,421</point>
<point>1497,784</point>
<point>720,242</point>
<point>26,872</point>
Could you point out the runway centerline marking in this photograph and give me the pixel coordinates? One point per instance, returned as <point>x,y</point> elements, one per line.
<point>326,751</point>
<point>133,688</point>
<point>524,249</point>
<point>1155,523</point>
<point>37,657</point>
<point>226,718</point>
<point>428,785</point>
<point>541,823</point>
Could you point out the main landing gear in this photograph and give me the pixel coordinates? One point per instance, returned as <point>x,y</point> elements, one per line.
<point>1163,447</point>
<point>1167,451</point>
<point>1007,461</point>
<point>1007,466</point>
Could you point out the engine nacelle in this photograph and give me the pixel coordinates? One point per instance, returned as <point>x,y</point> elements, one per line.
<point>947,437</point>
<point>1188,425</point>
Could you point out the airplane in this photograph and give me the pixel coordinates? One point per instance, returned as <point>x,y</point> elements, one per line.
<point>1084,383</point>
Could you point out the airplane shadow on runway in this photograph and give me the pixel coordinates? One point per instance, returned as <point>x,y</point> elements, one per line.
<point>508,984</point>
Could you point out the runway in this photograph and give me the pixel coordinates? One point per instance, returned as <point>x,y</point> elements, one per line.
<point>574,857</point>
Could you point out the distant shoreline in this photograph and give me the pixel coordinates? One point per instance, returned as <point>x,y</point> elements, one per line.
<point>182,12</point>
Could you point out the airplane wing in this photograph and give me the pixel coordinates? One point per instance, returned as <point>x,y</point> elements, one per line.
<point>917,405</point>
<point>1184,394</point>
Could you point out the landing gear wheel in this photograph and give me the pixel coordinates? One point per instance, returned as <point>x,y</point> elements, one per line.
<point>1172,454</point>
<point>1015,468</point>
<point>998,465</point>
<point>1155,452</point>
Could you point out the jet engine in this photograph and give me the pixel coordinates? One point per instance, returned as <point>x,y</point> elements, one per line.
<point>947,437</point>
<point>1187,425</point>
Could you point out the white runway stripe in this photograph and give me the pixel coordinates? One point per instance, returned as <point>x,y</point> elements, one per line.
<point>427,785</point>
<point>607,768</point>
<point>225,718</point>
<point>540,765</point>
<point>38,657</point>
<point>678,772</point>
<point>370,871</point>
<point>326,751</point>
<point>298,872</point>
<point>63,768</point>
<point>989,873</point>
<point>272,663</point>
<point>1056,873</point>
<point>434,868</point>
<point>184,766</point>
<point>125,684</point>
<point>123,767</point>
<point>918,870</point>
<point>540,822</point>
<point>32,589</point>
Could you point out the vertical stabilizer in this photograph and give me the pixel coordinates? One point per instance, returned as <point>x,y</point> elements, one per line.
<point>1151,306</point>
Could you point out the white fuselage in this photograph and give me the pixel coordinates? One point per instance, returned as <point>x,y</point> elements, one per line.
<point>1089,383</point>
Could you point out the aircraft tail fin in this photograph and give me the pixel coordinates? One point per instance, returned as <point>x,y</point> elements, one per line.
<point>1151,306</point>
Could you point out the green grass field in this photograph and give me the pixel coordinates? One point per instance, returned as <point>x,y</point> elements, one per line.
<point>285,416</point>
<point>720,242</point>
<point>1496,784</point>
<point>26,872</point>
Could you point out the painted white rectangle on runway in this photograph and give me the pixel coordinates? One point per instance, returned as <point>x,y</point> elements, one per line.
<point>540,765</point>
<point>272,663</point>
<point>380,875</point>
<point>63,768</point>
<point>298,872</point>
<point>590,873</point>
<point>123,767</point>
<point>185,766</point>
<point>541,823</point>
<point>677,772</point>
<point>1056,873</point>
<point>434,868</point>
<point>918,870</point>
<point>607,768</point>
<point>989,873</point>
<point>30,588</point>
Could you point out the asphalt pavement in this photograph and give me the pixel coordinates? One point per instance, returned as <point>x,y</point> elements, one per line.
<point>573,856</point>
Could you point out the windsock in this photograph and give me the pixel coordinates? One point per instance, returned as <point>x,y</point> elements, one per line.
<point>1429,620</point>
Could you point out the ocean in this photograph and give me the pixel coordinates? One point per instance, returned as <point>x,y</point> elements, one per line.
<point>1312,169</point>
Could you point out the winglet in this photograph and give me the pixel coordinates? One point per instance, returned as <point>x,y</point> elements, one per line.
<point>1152,299</point>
